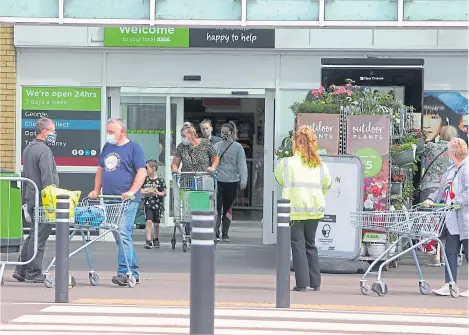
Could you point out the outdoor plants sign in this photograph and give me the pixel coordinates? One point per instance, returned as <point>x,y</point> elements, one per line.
<point>326,128</point>
<point>368,137</point>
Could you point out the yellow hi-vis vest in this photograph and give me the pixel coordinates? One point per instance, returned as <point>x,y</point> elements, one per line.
<point>304,186</point>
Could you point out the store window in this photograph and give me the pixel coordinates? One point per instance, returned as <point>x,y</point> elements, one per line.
<point>360,10</point>
<point>146,124</point>
<point>283,10</point>
<point>106,9</point>
<point>29,8</point>
<point>286,119</point>
<point>435,10</point>
<point>198,10</point>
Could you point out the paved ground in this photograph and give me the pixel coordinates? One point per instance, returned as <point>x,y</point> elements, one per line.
<point>102,319</point>
<point>245,280</point>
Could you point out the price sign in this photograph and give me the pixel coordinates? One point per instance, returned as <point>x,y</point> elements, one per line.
<point>372,161</point>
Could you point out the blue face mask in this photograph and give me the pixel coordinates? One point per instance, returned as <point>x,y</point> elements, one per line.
<point>51,138</point>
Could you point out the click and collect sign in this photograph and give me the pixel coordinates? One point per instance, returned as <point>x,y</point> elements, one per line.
<point>76,112</point>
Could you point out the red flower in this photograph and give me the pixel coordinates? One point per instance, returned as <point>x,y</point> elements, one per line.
<point>376,191</point>
<point>452,195</point>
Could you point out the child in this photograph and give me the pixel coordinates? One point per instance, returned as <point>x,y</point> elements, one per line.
<point>153,192</point>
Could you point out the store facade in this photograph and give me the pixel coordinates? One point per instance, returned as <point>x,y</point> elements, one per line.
<point>92,74</point>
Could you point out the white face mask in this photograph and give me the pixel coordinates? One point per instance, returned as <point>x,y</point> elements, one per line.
<point>111,139</point>
<point>185,141</point>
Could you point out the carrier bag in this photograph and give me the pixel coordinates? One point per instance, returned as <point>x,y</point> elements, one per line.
<point>49,201</point>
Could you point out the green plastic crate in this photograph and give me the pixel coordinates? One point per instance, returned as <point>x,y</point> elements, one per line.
<point>11,221</point>
<point>200,201</point>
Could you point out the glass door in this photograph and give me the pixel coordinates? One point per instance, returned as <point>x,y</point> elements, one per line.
<point>152,122</point>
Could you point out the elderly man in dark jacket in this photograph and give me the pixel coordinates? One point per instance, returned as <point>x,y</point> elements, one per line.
<point>39,166</point>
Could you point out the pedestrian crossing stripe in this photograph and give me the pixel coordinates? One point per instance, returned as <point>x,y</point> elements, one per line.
<point>92,319</point>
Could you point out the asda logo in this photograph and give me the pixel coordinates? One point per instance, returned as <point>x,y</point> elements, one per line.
<point>147,31</point>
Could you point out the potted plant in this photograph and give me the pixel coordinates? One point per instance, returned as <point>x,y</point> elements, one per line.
<point>418,136</point>
<point>406,197</point>
<point>285,149</point>
<point>397,178</point>
<point>319,107</point>
<point>402,154</point>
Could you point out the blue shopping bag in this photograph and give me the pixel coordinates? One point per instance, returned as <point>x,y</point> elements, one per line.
<point>90,216</point>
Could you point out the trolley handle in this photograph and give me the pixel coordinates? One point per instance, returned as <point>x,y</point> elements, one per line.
<point>197,173</point>
<point>109,197</point>
<point>439,206</point>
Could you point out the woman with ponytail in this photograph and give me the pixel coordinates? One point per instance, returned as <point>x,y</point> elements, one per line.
<point>232,172</point>
<point>305,180</point>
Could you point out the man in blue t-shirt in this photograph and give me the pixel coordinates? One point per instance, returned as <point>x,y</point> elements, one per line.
<point>122,171</point>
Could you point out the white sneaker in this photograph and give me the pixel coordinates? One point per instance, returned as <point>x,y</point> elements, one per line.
<point>464,294</point>
<point>443,291</point>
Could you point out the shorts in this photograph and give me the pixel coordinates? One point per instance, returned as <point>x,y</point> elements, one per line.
<point>152,215</point>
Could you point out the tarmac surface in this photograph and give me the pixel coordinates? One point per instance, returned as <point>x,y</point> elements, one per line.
<point>245,279</point>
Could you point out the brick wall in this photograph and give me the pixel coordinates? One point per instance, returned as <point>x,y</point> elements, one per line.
<point>7,98</point>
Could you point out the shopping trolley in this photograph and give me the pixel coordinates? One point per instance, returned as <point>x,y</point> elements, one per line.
<point>191,191</point>
<point>103,215</point>
<point>418,223</point>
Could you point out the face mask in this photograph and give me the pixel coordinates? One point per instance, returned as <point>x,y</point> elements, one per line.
<point>225,137</point>
<point>51,138</point>
<point>111,139</point>
<point>185,141</point>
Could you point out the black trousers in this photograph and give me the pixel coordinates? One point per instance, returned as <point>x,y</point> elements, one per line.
<point>27,251</point>
<point>226,195</point>
<point>452,248</point>
<point>305,253</point>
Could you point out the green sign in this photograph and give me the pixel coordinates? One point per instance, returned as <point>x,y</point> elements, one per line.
<point>61,98</point>
<point>372,161</point>
<point>146,37</point>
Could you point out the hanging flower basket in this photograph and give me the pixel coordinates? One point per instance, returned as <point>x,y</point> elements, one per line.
<point>403,158</point>
<point>396,188</point>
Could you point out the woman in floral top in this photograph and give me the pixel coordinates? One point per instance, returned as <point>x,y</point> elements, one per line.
<point>437,150</point>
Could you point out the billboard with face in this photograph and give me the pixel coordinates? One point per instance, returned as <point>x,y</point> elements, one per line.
<point>442,108</point>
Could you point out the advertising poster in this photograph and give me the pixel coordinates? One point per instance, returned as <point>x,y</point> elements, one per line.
<point>76,112</point>
<point>327,129</point>
<point>444,109</point>
<point>368,137</point>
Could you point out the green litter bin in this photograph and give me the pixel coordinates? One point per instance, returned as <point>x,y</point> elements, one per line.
<point>11,221</point>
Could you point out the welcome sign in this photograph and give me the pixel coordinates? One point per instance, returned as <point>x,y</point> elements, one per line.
<point>165,37</point>
<point>326,128</point>
<point>146,37</point>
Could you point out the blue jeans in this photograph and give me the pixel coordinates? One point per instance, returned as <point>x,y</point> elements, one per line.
<point>126,248</point>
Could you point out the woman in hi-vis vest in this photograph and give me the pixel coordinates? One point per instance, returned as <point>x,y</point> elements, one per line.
<point>305,180</point>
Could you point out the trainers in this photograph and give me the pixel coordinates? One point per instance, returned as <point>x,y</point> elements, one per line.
<point>443,291</point>
<point>19,275</point>
<point>38,279</point>
<point>225,238</point>
<point>299,289</point>
<point>217,235</point>
<point>148,245</point>
<point>121,280</point>
<point>464,294</point>
<point>156,243</point>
